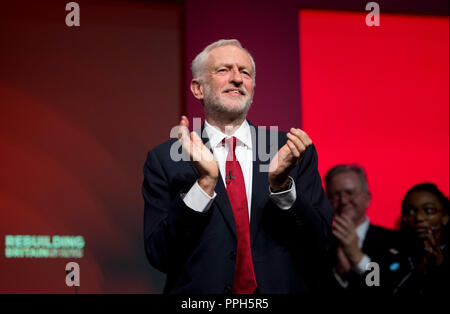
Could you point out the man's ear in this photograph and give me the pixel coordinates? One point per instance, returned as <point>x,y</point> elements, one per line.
<point>368,198</point>
<point>197,89</point>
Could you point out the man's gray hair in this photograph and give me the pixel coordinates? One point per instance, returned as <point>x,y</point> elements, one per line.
<point>198,64</point>
<point>343,168</point>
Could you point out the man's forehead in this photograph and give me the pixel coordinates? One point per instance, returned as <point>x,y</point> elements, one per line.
<point>227,55</point>
<point>345,180</point>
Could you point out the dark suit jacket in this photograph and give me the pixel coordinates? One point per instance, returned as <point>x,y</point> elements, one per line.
<point>403,277</point>
<point>197,251</point>
<point>378,240</point>
<point>376,245</point>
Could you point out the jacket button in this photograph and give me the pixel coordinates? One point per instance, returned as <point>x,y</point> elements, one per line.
<point>232,255</point>
<point>227,290</point>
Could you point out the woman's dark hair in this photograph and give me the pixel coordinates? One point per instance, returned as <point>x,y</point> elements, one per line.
<point>433,189</point>
<point>430,188</point>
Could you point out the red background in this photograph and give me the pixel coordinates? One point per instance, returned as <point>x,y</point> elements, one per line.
<point>378,96</point>
<point>80,107</point>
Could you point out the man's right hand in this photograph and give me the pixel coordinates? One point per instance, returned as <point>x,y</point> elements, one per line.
<point>343,265</point>
<point>200,156</point>
<point>345,231</point>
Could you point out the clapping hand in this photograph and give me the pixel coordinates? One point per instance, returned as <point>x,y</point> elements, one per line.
<point>200,156</point>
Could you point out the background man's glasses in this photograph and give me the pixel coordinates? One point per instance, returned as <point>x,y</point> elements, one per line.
<point>349,195</point>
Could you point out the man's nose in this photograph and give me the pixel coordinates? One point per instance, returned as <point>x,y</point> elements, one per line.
<point>236,76</point>
<point>344,198</point>
<point>339,201</point>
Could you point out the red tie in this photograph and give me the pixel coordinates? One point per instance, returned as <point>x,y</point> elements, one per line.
<point>244,276</point>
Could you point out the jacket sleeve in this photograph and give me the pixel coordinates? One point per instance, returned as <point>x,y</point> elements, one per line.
<point>309,219</point>
<point>171,229</point>
<point>312,211</point>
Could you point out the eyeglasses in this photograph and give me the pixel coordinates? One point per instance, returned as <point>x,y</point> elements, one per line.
<point>427,211</point>
<point>348,194</point>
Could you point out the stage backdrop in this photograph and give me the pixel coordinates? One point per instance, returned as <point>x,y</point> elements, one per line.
<point>80,107</point>
<point>378,96</point>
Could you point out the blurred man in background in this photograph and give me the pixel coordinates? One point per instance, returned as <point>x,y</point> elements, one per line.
<point>357,241</point>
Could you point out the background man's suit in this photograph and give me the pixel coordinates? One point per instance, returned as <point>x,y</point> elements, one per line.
<point>197,251</point>
<point>376,245</point>
<point>378,240</point>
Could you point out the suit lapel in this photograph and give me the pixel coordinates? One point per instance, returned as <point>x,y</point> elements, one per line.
<point>369,241</point>
<point>221,200</point>
<point>223,203</point>
<point>260,185</point>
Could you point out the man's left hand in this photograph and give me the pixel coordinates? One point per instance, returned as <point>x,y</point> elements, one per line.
<point>345,230</point>
<point>287,158</point>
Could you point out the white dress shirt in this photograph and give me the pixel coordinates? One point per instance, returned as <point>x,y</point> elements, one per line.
<point>198,200</point>
<point>361,231</point>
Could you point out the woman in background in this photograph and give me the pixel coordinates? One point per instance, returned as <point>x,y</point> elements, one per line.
<point>421,264</point>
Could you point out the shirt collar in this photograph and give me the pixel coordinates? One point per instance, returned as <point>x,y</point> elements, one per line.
<point>361,230</point>
<point>242,134</point>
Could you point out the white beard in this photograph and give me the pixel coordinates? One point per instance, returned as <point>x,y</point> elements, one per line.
<point>214,106</point>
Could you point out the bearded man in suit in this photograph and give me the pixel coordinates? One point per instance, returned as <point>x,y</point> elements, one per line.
<point>222,220</point>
